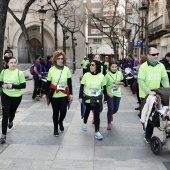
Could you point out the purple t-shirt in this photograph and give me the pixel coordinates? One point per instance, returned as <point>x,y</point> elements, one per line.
<point>136,63</point>
<point>38,66</point>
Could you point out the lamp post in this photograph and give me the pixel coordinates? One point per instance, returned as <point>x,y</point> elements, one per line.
<point>118,51</point>
<point>87,49</point>
<point>142,13</point>
<point>42,16</point>
<point>123,31</point>
<point>74,54</point>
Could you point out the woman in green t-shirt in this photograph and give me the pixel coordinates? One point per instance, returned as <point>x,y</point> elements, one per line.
<point>11,81</point>
<point>90,95</point>
<point>59,79</point>
<point>113,79</point>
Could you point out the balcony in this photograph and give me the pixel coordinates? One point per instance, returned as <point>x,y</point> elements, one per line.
<point>158,27</point>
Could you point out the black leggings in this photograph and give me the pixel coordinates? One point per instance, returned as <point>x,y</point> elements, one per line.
<point>96,115</point>
<point>9,107</point>
<point>59,105</point>
<point>137,94</point>
<point>36,91</point>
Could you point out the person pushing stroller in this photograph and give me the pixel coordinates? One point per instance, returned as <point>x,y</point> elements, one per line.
<point>151,74</point>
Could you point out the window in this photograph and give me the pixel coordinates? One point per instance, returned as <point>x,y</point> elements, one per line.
<point>94,21</point>
<point>95,31</point>
<point>97,41</point>
<point>96,1</point>
<point>106,29</point>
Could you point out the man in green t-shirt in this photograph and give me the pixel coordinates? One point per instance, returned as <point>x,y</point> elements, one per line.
<point>151,74</point>
<point>84,64</point>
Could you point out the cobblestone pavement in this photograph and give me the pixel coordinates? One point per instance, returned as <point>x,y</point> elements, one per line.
<point>32,146</point>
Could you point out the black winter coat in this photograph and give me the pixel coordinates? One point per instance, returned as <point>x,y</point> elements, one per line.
<point>165,62</point>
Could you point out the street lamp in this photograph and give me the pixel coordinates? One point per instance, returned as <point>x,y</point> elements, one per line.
<point>123,31</point>
<point>142,13</point>
<point>42,16</point>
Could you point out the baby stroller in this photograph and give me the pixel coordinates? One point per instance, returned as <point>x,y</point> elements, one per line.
<point>131,79</point>
<point>159,116</point>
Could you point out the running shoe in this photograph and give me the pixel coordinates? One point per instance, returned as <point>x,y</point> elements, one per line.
<point>98,136</point>
<point>3,139</point>
<point>147,140</point>
<point>56,133</point>
<point>84,127</point>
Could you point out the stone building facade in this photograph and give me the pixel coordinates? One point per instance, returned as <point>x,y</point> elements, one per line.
<point>15,40</point>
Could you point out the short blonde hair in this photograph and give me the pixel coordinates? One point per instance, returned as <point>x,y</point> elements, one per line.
<point>56,55</point>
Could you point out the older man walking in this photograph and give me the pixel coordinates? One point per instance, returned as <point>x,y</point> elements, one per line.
<point>151,74</point>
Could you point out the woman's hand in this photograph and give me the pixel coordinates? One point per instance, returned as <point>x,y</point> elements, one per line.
<point>116,82</point>
<point>4,86</point>
<point>80,100</point>
<point>152,93</point>
<point>71,98</point>
<point>9,86</point>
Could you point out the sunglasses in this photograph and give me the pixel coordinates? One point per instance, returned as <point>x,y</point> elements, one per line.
<point>154,54</point>
<point>92,65</point>
<point>60,58</point>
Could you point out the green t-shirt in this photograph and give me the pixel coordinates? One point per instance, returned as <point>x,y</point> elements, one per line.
<point>93,84</point>
<point>54,76</point>
<point>151,75</point>
<point>12,77</point>
<point>112,88</point>
<point>84,64</point>
<point>106,63</point>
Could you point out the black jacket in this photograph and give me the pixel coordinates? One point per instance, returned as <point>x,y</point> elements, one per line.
<point>165,62</point>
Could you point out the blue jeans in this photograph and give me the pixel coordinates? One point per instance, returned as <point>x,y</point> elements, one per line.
<point>113,106</point>
<point>149,130</point>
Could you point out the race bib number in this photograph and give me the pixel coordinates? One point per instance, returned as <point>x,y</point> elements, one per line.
<point>93,92</point>
<point>115,89</point>
<point>61,87</point>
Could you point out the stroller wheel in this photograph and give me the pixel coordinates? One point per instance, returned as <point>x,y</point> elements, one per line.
<point>156,145</point>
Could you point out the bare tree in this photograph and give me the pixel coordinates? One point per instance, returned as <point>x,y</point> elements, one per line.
<point>109,16</point>
<point>108,19</point>
<point>57,7</point>
<point>133,21</point>
<point>21,22</point>
<point>3,15</point>
<point>71,20</point>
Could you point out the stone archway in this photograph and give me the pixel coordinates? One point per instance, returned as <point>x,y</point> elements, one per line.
<point>35,38</point>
